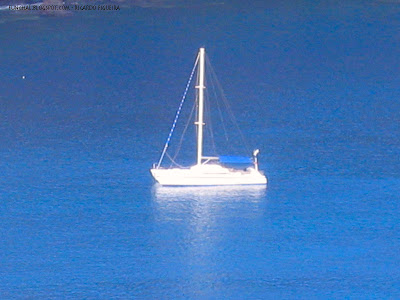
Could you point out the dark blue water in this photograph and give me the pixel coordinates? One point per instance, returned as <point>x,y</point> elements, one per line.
<point>315,87</point>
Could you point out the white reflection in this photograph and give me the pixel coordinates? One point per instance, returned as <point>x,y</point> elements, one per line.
<point>202,207</point>
<point>202,222</point>
<point>252,193</point>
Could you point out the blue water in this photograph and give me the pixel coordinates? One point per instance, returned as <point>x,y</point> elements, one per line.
<point>314,86</point>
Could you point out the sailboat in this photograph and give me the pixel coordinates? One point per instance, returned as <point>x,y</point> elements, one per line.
<point>208,170</point>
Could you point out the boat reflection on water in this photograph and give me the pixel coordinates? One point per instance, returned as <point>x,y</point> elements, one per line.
<point>204,203</point>
<point>198,228</point>
<point>207,194</point>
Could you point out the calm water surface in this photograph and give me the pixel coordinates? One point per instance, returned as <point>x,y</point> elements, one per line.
<point>316,88</point>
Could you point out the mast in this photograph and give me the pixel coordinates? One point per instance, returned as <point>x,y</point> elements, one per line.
<point>200,86</point>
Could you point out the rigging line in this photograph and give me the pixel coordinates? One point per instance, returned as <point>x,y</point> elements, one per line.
<point>214,91</point>
<point>177,113</point>
<point>209,122</point>
<point>184,131</point>
<point>229,109</point>
<point>173,161</point>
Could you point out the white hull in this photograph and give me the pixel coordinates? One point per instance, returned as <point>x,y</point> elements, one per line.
<point>208,175</point>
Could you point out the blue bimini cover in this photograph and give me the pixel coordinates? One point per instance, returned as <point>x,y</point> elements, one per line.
<point>235,160</point>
